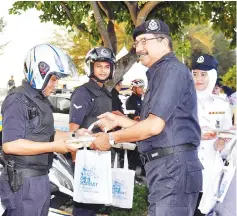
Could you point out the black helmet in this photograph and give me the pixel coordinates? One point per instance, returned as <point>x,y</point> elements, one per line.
<point>101,54</point>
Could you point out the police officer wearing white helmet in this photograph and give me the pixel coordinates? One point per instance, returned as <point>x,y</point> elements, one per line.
<point>134,102</point>
<point>213,112</point>
<point>28,134</point>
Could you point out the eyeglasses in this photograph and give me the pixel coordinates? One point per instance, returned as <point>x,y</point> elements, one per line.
<point>143,41</point>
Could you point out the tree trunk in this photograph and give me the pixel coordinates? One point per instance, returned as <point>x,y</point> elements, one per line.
<point>99,20</point>
<point>126,62</point>
<point>122,67</point>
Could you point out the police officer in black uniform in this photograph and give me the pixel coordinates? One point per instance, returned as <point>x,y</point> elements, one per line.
<point>168,133</point>
<point>90,100</point>
<point>218,86</point>
<point>134,101</point>
<point>29,138</point>
<point>117,105</point>
<point>11,83</point>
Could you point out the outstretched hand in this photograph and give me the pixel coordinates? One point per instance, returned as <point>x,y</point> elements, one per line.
<point>207,133</point>
<point>82,132</point>
<point>101,142</point>
<point>107,121</point>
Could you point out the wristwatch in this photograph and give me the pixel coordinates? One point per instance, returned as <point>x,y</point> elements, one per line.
<point>111,140</point>
<point>74,134</point>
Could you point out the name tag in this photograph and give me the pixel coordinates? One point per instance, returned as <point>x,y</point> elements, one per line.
<point>213,113</point>
<point>154,154</point>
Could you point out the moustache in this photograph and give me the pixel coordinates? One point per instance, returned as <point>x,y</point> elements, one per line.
<point>139,54</point>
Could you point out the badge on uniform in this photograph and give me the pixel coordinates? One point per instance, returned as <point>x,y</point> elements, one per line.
<point>153,25</point>
<point>104,52</point>
<point>217,123</point>
<point>200,60</point>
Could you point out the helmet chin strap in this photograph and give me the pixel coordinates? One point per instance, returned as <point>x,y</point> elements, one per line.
<point>98,80</point>
<point>41,92</point>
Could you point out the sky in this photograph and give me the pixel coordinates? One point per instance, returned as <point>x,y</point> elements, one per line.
<point>22,32</point>
<point>25,31</point>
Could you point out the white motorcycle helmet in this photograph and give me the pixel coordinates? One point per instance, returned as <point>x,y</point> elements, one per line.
<point>101,54</point>
<point>45,60</point>
<point>137,83</point>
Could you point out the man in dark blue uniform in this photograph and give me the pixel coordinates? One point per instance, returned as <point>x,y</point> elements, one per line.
<point>11,83</point>
<point>28,134</point>
<point>90,100</point>
<point>168,134</point>
<point>134,102</point>
<point>116,102</point>
<point>218,86</point>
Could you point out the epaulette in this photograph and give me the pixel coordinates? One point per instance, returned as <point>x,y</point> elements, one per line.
<point>218,97</point>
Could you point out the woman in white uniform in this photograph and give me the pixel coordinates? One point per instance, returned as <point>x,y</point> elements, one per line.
<point>213,112</point>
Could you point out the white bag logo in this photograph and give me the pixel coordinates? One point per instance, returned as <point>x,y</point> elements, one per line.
<point>119,189</point>
<point>123,184</point>
<point>89,179</point>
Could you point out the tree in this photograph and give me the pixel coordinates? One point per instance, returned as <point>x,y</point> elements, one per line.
<point>204,39</point>
<point>229,79</point>
<point>2,26</point>
<point>97,19</point>
<point>225,56</point>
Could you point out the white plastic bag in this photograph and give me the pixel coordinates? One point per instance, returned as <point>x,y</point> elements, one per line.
<point>228,175</point>
<point>92,178</point>
<point>209,198</point>
<point>123,184</point>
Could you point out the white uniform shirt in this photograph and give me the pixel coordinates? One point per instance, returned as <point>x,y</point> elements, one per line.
<point>215,113</point>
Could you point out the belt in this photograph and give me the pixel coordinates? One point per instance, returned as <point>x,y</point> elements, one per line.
<point>161,152</point>
<point>32,173</point>
<point>10,168</point>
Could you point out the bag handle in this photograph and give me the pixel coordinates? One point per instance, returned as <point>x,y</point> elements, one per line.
<point>125,165</point>
<point>116,161</point>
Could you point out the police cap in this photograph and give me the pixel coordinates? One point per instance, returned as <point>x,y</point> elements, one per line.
<point>228,91</point>
<point>205,62</point>
<point>218,82</point>
<point>153,26</point>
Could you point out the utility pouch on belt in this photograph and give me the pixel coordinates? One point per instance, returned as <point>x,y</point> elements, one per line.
<point>15,175</point>
<point>12,176</point>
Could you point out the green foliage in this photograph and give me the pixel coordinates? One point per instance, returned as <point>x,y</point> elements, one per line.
<point>204,39</point>
<point>178,14</point>
<point>223,17</point>
<point>182,48</point>
<point>225,56</point>
<point>140,204</point>
<point>229,79</point>
<point>2,24</point>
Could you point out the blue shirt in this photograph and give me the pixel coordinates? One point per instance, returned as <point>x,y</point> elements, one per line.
<point>14,119</point>
<point>134,102</point>
<point>81,105</point>
<point>171,96</point>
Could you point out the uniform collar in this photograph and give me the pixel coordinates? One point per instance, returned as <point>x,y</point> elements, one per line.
<point>30,90</point>
<point>115,91</point>
<point>166,57</point>
<point>95,84</point>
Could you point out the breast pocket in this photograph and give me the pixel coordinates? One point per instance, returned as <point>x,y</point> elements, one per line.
<point>34,123</point>
<point>193,176</point>
<point>145,109</point>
